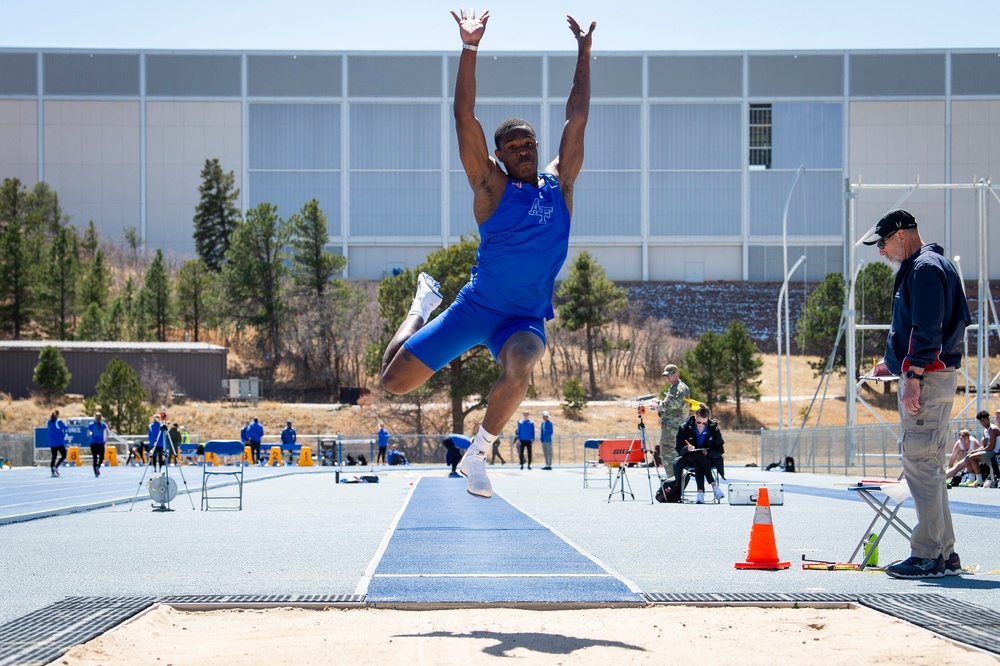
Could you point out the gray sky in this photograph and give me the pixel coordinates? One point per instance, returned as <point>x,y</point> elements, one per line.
<point>522,25</point>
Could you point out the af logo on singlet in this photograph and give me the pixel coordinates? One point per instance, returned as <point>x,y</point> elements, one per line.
<point>542,212</point>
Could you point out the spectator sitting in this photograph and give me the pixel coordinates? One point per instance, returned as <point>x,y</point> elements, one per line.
<point>351,462</point>
<point>982,458</point>
<point>957,462</point>
<point>700,445</point>
<point>396,457</point>
<point>362,461</point>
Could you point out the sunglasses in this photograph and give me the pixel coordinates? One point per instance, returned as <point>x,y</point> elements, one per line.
<point>881,243</point>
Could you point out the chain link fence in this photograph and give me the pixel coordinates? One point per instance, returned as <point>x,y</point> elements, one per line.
<point>868,450</point>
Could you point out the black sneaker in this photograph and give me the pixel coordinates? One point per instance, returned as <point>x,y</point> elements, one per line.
<point>917,567</point>
<point>953,565</point>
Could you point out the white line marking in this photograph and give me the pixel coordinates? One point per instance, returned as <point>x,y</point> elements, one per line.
<point>366,578</point>
<point>495,575</point>
<point>629,584</point>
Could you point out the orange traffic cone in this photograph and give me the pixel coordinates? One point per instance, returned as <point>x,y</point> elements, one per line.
<point>763,551</point>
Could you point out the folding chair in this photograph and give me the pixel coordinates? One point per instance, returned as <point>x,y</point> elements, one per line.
<point>592,458</point>
<point>687,474</point>
<point>222,448</point>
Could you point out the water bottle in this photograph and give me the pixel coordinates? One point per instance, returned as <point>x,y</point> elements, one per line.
<point>871,551</point>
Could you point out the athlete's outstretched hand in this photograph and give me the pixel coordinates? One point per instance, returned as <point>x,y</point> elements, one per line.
<point>584,39</point>
<point>471,28</point>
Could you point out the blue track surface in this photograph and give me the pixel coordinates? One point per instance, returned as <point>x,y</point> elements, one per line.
<point>452,547</point>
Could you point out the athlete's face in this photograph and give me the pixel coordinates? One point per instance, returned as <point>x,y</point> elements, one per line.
<point>518,152</point>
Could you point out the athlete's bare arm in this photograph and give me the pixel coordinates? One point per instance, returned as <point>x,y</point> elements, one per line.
<point>567,165</point>
<point>486,177</point>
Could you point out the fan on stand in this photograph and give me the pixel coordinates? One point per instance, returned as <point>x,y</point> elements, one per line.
<point>162,489</point>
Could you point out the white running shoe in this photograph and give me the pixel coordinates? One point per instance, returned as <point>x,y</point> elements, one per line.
<point>428,296</point>
<point>700,499</point>
<point>718,492</point>
<point>473,467</point>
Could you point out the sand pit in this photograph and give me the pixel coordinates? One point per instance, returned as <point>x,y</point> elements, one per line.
<point>651,635</point>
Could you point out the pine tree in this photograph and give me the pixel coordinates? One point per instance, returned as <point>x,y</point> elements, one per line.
<point>51,373</point>
<point>15,279</point>
<point>743,364</point>
<point>312,266</point>
<point>216,216</point>
<point>95,286</point>
<point>60,282</point>
<point>255,273</point>
<point>817,327</point>
<point>91,241</point>
<point>92,326</point>
<point>121,398</point>
<point>706,365</point>
<point>587,300</point>
<point>157,289</point>
<point>193,295</point>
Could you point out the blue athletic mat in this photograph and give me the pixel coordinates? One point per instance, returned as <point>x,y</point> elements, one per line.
<point>452,547</point>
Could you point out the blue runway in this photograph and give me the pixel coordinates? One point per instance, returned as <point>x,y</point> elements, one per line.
<point>451,547</point>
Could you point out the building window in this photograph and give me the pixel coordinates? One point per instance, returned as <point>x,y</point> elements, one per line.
<point>760,136</point>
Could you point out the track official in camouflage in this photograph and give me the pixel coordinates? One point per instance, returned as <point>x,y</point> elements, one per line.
<point>674,409</point>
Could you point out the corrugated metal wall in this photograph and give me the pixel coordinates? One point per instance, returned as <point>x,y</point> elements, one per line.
<point>371,136</point>
<point>199,374</point>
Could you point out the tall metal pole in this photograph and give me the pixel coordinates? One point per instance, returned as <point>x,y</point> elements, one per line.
<point>985,295</point>
<point>783,294</point>
<point>784,288</point>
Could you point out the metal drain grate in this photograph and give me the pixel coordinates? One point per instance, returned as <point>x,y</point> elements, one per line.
<point>263,600</point>
<point>777,598</point>
<point>43,635</point>
<point>961,622</point>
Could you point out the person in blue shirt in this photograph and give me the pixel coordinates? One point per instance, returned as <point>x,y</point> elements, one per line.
<point>155,444</point>
<point>397,457</point>
<point>98,433</point>
<point>255,433</point>
<point>57,441</point>
<point>523,214</point>
<point>525,437</point>
<point>383,443</point>
<point>545,437</point>
<point>288,439</point>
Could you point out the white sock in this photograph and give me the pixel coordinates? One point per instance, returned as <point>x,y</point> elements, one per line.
<point>483,441</point>
<point>979,477</point>
<point>416,308</point>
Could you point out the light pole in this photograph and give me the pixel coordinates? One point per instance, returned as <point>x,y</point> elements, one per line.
<point>783,295</point>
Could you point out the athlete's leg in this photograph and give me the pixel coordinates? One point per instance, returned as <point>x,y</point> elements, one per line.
<point>518,357</point>
<point>401,370</point>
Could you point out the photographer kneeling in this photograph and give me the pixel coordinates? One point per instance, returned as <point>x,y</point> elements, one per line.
<point>700,445</point>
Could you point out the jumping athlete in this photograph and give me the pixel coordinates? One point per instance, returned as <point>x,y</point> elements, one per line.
<point>523,219</point>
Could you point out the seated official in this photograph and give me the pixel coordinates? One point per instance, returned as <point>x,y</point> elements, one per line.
<point>700,446</point>
<point>395,456</point>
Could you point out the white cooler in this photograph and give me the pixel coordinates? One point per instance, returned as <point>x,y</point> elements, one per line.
<point>742,494</point>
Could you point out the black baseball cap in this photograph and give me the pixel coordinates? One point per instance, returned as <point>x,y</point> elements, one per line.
<point>890,223</point>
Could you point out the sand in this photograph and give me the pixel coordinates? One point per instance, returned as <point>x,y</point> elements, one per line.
<point>649,635</point>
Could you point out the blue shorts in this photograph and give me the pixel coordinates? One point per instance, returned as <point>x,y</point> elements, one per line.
<point>463,326</point>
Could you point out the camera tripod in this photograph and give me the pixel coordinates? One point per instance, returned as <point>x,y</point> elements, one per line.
<point>160,487</point>
<point>621,480</point>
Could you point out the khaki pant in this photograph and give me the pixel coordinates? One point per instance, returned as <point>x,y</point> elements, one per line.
<point>926,445</point>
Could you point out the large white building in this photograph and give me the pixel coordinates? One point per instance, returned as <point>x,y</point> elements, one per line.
<point>689,161</point>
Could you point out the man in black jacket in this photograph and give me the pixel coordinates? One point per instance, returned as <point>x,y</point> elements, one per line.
<point>929,316</point>
<point>700,445</point>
